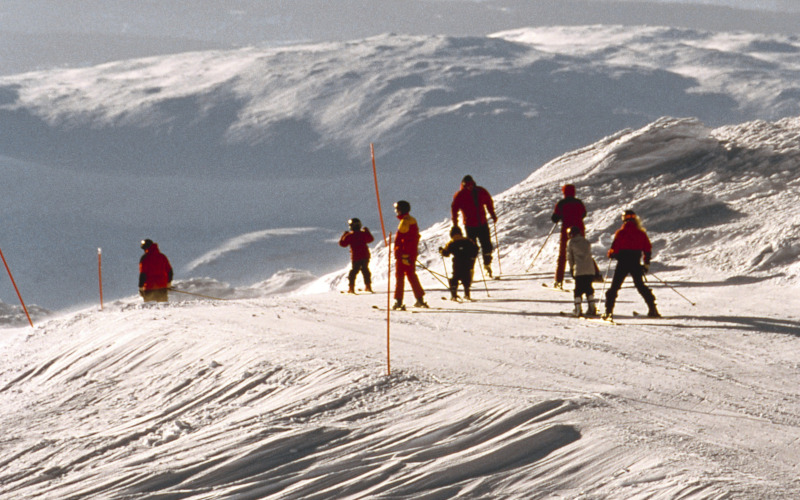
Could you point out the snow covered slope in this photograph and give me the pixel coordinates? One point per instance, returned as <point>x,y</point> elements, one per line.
<point>204,150</point>
<point>306,396</point>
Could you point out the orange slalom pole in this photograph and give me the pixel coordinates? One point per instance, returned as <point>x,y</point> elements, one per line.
<point>16,289</point>
<point>388,306</point>
<point>377,191</point>
<point>100,274</point>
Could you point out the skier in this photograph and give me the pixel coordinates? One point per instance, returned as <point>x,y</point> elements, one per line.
<point>570,211</point>
<point>583,270</point>
<point>629,246</point>
<point>473,202</point>
<point>464,252</point>
<point>405,254</point>
<point>155,273</point>
<point>357,238</point>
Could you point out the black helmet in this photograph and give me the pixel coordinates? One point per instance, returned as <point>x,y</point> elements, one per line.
<point>574,231</point>
<point>354,224</point>
<point>146,244</point>
<point>455,230</point>
<point>402,207</point>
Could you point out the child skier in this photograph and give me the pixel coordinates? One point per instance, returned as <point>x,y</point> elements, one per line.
<point>357,238</point>
<point>583,270</point>
<point>464,252</point>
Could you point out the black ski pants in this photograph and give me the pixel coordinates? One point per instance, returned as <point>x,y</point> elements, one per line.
<point>628,265</point>
<point>361,266</point>
<point>482,235</point>
<point>462,272</point>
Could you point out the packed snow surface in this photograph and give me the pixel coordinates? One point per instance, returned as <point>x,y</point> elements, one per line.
<point>315,395</point>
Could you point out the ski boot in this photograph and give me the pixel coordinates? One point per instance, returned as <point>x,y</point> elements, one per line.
<point>577,312</point>
<point>488,270</point>
<point>421,303</point>
<point>398,305</point>
<point>652,312</point>
<point>591,309</point>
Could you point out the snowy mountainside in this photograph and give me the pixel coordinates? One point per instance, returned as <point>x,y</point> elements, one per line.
<point>201,150</point>
<point>724,198</point>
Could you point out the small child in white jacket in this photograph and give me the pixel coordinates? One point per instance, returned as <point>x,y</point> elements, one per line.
<point>583,269</point>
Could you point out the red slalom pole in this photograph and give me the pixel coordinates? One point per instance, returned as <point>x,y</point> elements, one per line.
<point>100,274</point>
<point>377,191</point>
<point>16,289</point>
<point>388,305</point>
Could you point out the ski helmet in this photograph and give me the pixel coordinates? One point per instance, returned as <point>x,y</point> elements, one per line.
<point>354,224</point>
<point>402,207</point>
<point>146,244</point>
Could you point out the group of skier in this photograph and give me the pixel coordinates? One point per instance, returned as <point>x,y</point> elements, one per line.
<point>631,248</point>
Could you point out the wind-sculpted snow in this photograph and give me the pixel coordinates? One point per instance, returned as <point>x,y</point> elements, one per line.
<point>139,411</point>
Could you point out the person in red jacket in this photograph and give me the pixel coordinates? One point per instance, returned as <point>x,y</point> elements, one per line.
<point>405,254</point>
<point>474,202</point>
<point>358,238</point>
<point>570,211</point>
<point>155,273</point>
<point>631,245</point>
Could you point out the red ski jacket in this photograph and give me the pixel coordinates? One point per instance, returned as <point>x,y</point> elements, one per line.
<point>357,241</point>
<point>631,238</point>
<point>155,270</point>
<point>570,211</point>
<point>473,203</point>
<point>405,244</point>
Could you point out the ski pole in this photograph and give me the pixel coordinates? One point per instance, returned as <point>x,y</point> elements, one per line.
<point>195,294</point>
<point>673,289</point>
<point>497,244</point>
<point>434,274</point>
<point>16,289</point>
<point>605,278</point>
<point>542,248</point>
<point>483,278</point>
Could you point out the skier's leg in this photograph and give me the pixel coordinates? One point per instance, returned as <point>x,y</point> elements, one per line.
<point>399,281</point>
<point>416,287</point>
<point>561,263</point>
<point>620,273</point>
<point>351,277</point>
<point>647,294</point>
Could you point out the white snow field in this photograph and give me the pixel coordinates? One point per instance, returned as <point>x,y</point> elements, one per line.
<point>293,396</point>
<point>244,163</point>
